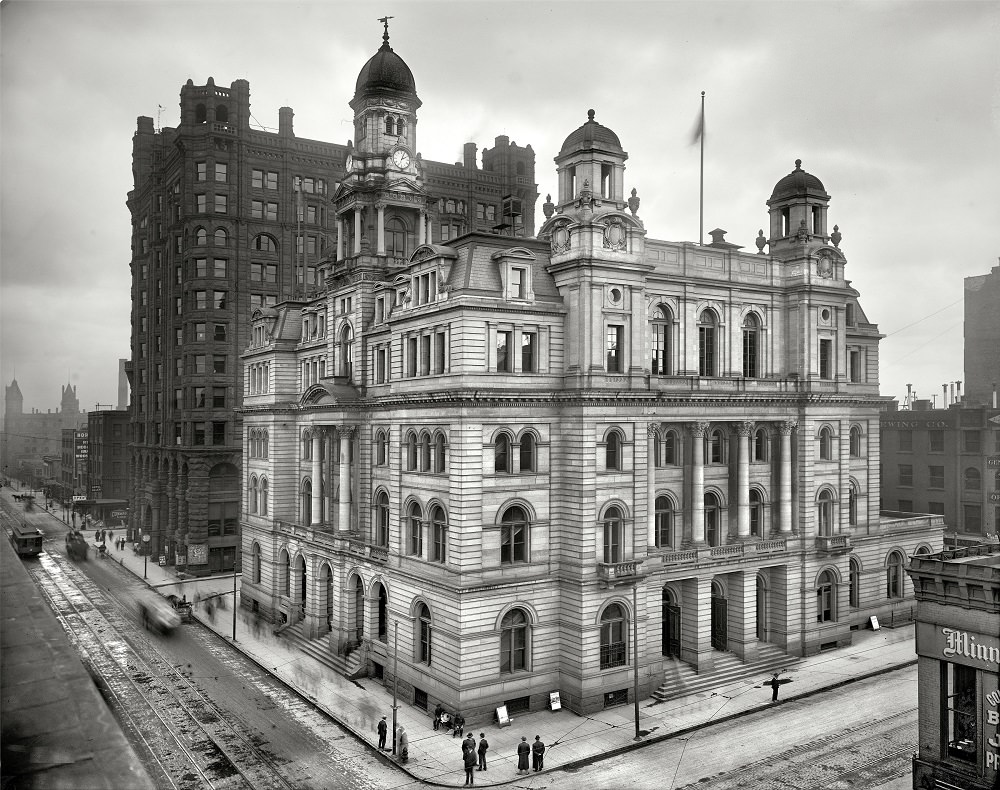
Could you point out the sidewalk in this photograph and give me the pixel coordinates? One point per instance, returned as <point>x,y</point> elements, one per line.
<point>435,757</point>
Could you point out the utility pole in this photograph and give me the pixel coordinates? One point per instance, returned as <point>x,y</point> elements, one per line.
<point>395,678</point>
<point>234,602</point>
<point>635,654</point>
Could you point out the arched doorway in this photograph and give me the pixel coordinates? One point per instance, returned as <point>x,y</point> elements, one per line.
<point>359,610</point>
<point>326,585</point>
<point>382,626</point>
<point>671,639</point>
<point>720,631</point>
<point>300,585</point>
<point>761,609</point>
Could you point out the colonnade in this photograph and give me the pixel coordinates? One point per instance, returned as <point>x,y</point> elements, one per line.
<point>424,230</point>
<point>744,431</point>
<point>345,436</point>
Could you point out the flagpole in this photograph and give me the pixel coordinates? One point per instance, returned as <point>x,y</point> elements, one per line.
<point>701,177</point>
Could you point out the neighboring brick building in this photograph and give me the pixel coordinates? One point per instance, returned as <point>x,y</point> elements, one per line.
<point>517,449</point>
<point>958,648</point>
<point>982,338</point>
<point>108,454</point>
<point>226,219</point>
<point>945,462</point>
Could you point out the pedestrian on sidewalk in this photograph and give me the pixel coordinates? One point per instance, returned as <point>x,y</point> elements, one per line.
<point>483,746</point>
<point>774,684</point>
<point>469,744</point>
<point>459,724</point>
<point>537,753</point>
<point>403,745</point>
<point>523,750</point>
<point>437,716</point>
<point>382,728</point>
<point>469,760</point>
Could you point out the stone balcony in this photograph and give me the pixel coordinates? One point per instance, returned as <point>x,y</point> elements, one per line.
<point>833,544</point>
<point>619,571</point>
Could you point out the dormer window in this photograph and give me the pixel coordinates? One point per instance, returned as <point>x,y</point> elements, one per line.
<point>516,288</point>
<point>425,287</point>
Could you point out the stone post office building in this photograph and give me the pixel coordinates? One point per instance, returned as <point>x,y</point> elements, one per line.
<point>501,452</point>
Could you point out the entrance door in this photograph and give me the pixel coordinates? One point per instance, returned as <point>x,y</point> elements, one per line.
<point>761,610</point>
<point>671,630</point>
<point>719,621</point>
<point>359,611</point>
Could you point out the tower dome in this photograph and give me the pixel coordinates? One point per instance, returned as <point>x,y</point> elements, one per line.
<point>385,72</point>
<point>799,183</point>
<point>589,135</point>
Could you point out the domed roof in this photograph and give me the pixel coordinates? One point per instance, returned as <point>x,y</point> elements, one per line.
<point>799,183</point>
<point>588,135</point>
<point>385,71</point>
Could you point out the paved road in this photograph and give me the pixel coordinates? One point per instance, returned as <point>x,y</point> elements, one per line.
<point>860,736</point>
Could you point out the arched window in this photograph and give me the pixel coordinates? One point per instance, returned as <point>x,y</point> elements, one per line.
<point>285,565</point>
<point>501,453</point>
<point>713,519</point>
<point>346,352</point>
<point>519,168</point>
<point>264,243</point>
<point>660,365</point>
<point>255,563</point>
<point>855,447</point>
<point>411,451</point>
<point>415,530</point>
<point>671,449</point>
<point>706,344</point>
<point>751,346</point>
<point>716,447</point>
<point>390,124</point>
<point>305,503</point>
<point>200,114</point>
<point>424,634</point>
<point>760,445</point>
<point>664,516</point>
<point>854,594</point>
<point>527,452</point>
<point>395,238</point>
<point>613,451</point>
<point>894,575</point>
<point>439,524</point>
<point>440,454</point>
<point>852,504</point>
<point>222,114</point>
<point>382,519</point>
<point>614,632</point>
<point>824,512</point>
<point>513,642</point>
<point>756,513</point>
<point>973,479</point>
<point>221,237</point>
<point>381,448</point>
<point>825,444</point>
<point>614,536</point>
<point>383,613</point>
<point>263,496</point>
<point>264,441</point>
<point>254,493</point>
<point>425,451</point>
<point>200,236</point>
<point>826,598</point>
<point>513,536</point>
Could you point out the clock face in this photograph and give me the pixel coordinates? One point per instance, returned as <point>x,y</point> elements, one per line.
<point>401,159</point>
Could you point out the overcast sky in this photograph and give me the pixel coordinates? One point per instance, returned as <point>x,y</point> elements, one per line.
<point>894,106</point>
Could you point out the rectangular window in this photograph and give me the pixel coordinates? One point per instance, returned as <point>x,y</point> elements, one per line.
<point>218,433</point>
<point>411,356</point>
<point>201,171</point>
<point>219,334</point>
<point>218,397</point>
<point>936,439</point>
<point>970,442</point>
<point>221,171</point>
<point>257,209</point>
<point>855,366</point>
<point>380,366</point>
<point>826,359</point>
<point>311,215</point>
<point>199,332</point>
<point>937,508</point>
<point>178,305</point>
<point>906,505</point>
<point>201,267</point>
<point>503,352</point>
<point>257,179</point>
<point>198,397</point>
<point>936,476</point>
<point>439,353</point>
<point>517,283</point>
<point>201,203</point>
<point>615,348</point>
<point>198,362</point>
<point>221,204</point>
<point>219,363</point>
<point>198,433</point>
<point>271,180</point>
<point>219,300</point>
<point>972,519</point>
<point>178,399</point>
<point>706,350</point>
<point>271,212</point>
<point>219,268</point>
<point>959,691</point>
<point>425,355</point>
<point>905,441</point>
<point>528,352</point>
<point>906,475</point>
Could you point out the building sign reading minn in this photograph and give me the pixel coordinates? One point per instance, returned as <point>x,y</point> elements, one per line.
<point>959,647</point>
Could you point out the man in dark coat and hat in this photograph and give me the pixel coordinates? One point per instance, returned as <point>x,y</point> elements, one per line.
<point>523,750</point>
<point>537,753</point>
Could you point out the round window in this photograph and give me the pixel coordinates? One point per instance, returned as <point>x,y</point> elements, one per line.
<point>616,295</point>
<point>825,314</point>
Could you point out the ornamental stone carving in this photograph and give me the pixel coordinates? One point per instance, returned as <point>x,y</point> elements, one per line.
<point>698,429</point>
<point>786,427</point>
<point>560,239</point>
<point>824,267</point>
<point>615,235</point>
<point>745,429</point>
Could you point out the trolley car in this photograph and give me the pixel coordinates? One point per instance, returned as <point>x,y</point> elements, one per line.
<point>27,541</point>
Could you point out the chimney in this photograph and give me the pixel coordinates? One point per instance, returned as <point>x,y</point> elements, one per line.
<point>470,155</point>
<point>958,390</point>
<point>285,115</point>
<point>944,396</point>
<point>909,394</point>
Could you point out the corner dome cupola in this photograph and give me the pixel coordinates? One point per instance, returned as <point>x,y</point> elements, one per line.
<point>798,208</point>
<point>591,158</point>
<point>385,73</point>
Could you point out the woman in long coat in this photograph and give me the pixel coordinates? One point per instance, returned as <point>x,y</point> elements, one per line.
<point>523,750</point>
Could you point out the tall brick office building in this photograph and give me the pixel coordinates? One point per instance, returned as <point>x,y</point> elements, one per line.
<point>511,452</point>
<point>227,218</point>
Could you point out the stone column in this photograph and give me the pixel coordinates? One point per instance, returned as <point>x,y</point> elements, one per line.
<point>698,431</point>
<point>744,431</point>
<point>652,437</point>
<point>696,623</point>
<point>380,225</point>
<point>357,230</point>
<point>742,615</point>
<point>340,238</point>
<point>171,512</point>
<point>344,516</point>
<point>182,509</point>
<point>422,228</point>
<point>316,439</point>
<point>785,489</point>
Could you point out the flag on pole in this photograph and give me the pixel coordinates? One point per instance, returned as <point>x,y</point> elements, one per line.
<point>699,127</point>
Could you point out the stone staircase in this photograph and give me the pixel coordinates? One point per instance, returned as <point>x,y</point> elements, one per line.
<point>350,666</point>
<point>680,679</point>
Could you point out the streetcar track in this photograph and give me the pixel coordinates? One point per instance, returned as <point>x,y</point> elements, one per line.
<point>203,749</point>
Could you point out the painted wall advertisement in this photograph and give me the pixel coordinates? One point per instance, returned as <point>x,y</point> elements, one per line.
<point>197,554</point>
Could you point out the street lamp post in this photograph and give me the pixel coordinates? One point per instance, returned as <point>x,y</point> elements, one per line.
<point>234,603</point>
<point>145,554</point>
<point>395,679</point>
<point>635,654</point>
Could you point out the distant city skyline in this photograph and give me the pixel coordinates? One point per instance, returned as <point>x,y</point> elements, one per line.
<point>894,106</point>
